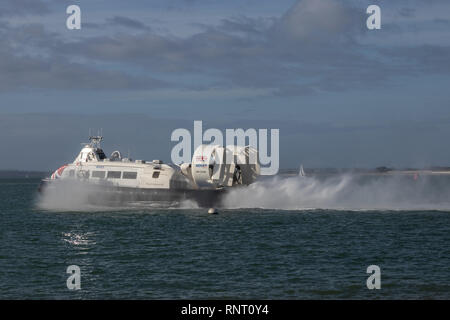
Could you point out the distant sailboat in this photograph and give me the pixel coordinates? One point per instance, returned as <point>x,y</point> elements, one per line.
<point>301,173</point>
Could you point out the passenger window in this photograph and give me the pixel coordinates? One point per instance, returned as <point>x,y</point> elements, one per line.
<point>98,174</point>
<point>129,175</point>
<point>114,174</point>
<point>155,174</point>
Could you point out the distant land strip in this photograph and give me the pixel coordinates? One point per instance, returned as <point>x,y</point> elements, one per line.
<point>22,174</point>
<point>364,171</point>
<point>18,174</point>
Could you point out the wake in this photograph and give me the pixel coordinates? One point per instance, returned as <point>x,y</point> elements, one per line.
<point>337,192</point>
<point>344,192</point>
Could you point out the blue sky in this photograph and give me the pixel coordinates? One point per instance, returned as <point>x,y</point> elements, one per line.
<point>341,95</point>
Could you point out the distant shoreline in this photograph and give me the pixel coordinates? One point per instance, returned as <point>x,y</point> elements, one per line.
<point>381,171</point>
<point>19,174</point>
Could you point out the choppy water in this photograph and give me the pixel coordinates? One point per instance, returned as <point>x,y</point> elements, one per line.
<point>145,252</point>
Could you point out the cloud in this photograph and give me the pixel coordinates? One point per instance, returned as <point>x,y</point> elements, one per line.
<point>312,47</point>
<point>311,21</point>
<point>316,45</point>
<point>24,72</point>
<point>29,58</point>
<point>23,7</point>
<point>407,12</point>
<point>128,23</point>
<point>430,59</point>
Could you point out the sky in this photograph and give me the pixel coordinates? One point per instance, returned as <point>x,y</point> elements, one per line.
<point>340,94</point>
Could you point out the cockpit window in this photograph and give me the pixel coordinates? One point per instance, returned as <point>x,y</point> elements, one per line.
<point>101,154</point>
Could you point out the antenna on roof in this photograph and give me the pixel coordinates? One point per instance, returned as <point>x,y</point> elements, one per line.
<point>95,140</point>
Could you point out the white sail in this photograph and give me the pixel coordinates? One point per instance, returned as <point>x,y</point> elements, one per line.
<point>301,172</point>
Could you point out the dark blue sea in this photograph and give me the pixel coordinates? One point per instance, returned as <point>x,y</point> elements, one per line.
<point>316,248</point>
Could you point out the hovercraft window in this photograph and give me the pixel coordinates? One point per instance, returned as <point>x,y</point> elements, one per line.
<point>101,154</point>
<point>129,175</point>
<point>155,174</point>
<point>113,175</point>
<point>98,174</point>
